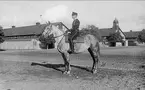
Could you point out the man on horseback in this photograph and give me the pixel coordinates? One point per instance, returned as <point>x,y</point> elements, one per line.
<point>90,44</point>
<point>73,31</point>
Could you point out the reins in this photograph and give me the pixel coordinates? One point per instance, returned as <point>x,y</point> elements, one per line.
<point>63,33</point>
<point>60,35</point>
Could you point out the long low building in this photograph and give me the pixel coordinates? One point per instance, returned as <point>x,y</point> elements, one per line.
<point>132,37</point>
<point>26,37</point>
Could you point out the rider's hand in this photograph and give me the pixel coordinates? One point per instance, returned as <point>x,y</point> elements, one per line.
<point>68,31</point>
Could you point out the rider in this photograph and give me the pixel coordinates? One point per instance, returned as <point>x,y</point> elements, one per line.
<point>73,31</point>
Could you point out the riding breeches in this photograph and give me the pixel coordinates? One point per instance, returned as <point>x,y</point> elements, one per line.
<point>73,35</point>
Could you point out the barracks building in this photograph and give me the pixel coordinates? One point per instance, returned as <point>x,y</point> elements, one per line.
<point>27,37</point>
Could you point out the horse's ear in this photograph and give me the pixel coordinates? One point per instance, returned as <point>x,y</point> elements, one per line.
<point>48,23</point>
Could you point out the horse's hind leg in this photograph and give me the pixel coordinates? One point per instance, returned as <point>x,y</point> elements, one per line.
<point>66,63</point>
<point>95,56</point>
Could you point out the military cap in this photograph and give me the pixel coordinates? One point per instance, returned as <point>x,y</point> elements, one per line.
<point>74,13</point>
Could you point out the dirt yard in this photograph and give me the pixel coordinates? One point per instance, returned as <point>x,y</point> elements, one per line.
<point>121,68</point>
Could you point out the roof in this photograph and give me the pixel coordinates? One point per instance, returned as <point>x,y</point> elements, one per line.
<point>107,31</point>
<point>38,29</point>
<point>26,30</point>
<point>132,34</point>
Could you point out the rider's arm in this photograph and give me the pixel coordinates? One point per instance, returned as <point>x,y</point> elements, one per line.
<point>75,25</point>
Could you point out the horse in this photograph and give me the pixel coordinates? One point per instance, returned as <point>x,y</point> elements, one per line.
<point>90,44</point>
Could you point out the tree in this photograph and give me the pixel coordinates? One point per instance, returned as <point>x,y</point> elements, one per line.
<point>141,36</point>
<point>1,35</point>
<point>45,42</point>
<point>115,37</point>
<point>91,29</point>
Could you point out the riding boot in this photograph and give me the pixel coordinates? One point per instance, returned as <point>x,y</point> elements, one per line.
<point>71,45</point>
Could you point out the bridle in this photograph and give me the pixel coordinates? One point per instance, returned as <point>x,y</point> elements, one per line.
<point>63,33</point>
<point>66,32</point>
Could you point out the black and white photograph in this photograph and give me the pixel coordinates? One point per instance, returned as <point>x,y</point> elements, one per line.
<point>72,45</point>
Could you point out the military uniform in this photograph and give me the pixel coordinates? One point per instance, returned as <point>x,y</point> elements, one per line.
<point>73,32</point>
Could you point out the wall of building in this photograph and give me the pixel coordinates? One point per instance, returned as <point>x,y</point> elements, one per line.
<point>20,44</point>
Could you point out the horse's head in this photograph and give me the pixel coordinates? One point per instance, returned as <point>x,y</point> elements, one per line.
<point>48,30</point>
<point>52,30</point>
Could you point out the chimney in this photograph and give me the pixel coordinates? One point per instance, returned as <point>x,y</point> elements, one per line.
<point>13,26</point>
<point>37,23</point>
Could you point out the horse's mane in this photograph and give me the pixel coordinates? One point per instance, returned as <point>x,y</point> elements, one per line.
<point>94,32</point>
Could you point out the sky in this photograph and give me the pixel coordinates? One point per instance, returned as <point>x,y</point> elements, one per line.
<point>130,14</point>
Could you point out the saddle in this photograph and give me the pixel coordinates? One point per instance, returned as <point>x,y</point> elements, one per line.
<point>78,39</point>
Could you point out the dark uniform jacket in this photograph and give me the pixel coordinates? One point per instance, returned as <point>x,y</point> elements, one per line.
<point>75,29</point>
<point>75,25</point>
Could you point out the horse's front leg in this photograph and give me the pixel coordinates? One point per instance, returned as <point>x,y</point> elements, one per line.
<point>66,59</point>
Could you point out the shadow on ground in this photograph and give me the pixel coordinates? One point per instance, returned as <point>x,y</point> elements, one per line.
<point>2,50</point>
<point>141,67</point>
<point>57,66</point>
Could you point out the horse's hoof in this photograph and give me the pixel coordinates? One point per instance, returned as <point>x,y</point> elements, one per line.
<point>94,71</point>
<point>66,72</point>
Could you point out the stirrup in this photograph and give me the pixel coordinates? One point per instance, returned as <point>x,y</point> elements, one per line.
<point>70,51</point>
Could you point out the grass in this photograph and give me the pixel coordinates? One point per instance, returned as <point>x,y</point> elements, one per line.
<point>25,75</point>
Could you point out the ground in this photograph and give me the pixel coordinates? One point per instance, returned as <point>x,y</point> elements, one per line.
<point>121,68</point>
